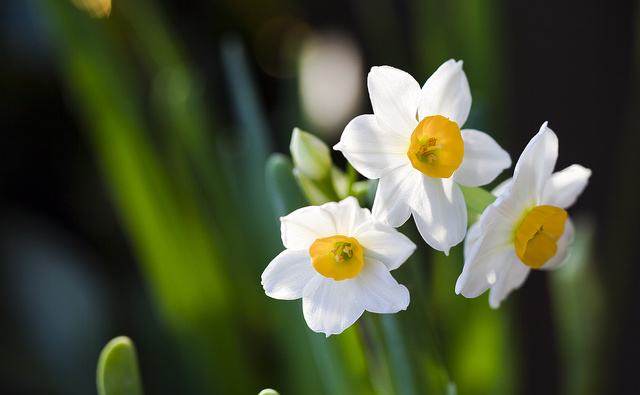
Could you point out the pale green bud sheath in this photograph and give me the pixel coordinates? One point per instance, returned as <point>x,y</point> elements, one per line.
<point>310,155</point>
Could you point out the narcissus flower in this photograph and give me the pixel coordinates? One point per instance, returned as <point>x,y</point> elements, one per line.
<point>413,142</point>
<point>527,227</point>
<point>337,259</point>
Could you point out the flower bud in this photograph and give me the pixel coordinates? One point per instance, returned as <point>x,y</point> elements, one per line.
<point>313,191</point>
<point>310,155</point>
<point>340,183</point>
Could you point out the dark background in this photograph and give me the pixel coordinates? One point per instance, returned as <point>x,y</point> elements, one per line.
<point>574,64</point>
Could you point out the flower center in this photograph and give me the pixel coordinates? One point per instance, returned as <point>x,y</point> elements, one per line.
<point>436,147</point>
<point>537,235</point>
<point>337,257</point>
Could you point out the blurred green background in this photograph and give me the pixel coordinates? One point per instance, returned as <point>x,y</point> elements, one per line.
<point>135,197</point>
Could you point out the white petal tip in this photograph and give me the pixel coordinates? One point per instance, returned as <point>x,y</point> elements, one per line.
<point>270,293</point>
<point>337,147</point>
<point>509,162</point>
<point>373,70</point>
<point>587,172</point>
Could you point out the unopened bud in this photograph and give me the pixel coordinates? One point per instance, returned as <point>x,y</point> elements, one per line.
<point>310,155</point>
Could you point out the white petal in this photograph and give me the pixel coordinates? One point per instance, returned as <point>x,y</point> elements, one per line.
<point>394,97</point>
<point>481,269</point>
<point>564,187</point>
<point>379,291</point>
<point>487,247</point>
<point>535,166</point>
<point>483,159</point>
<point>511,277</point>
<point>347,215</point>
<point>394,194</point>
<point>385,244</point>
<point>502,187</point>
<point>287,275</point>
<point>471,240</point>
<point>331,306</point>
<point>303,226</point>
<point>447,93</point>
<point>509,206</point>
<point>440,213</point>
<point>564,246</point>
<point>371,150</point>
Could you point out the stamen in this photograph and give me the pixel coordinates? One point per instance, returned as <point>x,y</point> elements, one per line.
<point>343,251</point>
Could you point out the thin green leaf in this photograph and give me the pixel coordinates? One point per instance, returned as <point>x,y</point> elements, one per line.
<point>117,372</point>
<point>282,187</point>
<point>400,366</point>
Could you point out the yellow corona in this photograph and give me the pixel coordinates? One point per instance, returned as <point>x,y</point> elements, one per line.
<point>337,257</point>
<point>537,235</point>
<point>436,147</point>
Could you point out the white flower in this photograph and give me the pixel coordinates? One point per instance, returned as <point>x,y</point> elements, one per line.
<point>337,259</point>
<point>527,226</point>
<point>413,143</point>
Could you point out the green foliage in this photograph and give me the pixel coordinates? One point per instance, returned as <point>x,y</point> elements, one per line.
<point>579,310</point>
<point>282,187</point>
<point>192,199</point>
<point>177,248</point>
<point>117,372</point>
<point>477,200</point>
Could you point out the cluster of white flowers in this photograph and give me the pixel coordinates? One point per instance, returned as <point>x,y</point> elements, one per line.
<point>339,256</point>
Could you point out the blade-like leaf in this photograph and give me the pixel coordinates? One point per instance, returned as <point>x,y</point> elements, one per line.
<point>282,188</point>
<point>117,372</point>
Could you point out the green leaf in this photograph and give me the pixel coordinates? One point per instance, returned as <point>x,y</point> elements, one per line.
<point>400,364</point>
<point>118,369</point>
<point>579,311</point>
<point>282,187</point>
<point>477,200</point>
